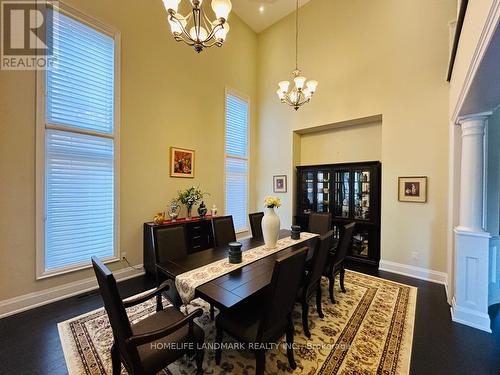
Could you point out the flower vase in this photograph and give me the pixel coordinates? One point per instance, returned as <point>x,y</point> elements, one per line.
<point>202,210</point>
<point>270,227</point>
<point>189,211</point>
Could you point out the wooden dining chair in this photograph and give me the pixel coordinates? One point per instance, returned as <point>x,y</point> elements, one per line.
<point>169,244</point>
<point>320,222</point>
<point>135,345</point>
<point>264,318</point>
<point>256,225</point>
<point>335,262</point>
<point>312,279</point>
<point>223,228</point>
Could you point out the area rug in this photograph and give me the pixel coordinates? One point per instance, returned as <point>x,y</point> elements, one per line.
<point>368,331</point>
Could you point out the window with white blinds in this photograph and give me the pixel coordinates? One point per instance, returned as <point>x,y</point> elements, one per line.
<point>80,139</point>
<point>236,163</point>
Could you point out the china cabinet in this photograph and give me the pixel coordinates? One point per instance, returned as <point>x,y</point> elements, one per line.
<point>350,192</point>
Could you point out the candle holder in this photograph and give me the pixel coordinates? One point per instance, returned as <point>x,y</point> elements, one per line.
<point>295,232</point>
<point>235,256</point>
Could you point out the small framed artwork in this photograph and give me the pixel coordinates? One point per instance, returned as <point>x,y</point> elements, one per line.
<point>279,184</point>
<point>181,162</point>
<point>412,189</point>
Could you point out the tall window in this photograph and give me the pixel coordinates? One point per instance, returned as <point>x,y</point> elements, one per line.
<point>236,161</point>
<point>79,133</point>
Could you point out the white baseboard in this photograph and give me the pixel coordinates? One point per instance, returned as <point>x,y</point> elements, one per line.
<point>31,300</point>
<point>471,318</point>
<point>415,272</point>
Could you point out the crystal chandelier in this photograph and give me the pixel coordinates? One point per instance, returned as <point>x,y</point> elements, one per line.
<point>303,90</point>
<point>202,33</point>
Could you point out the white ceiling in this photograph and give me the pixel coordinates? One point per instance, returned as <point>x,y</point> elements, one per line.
<point>273,11</point>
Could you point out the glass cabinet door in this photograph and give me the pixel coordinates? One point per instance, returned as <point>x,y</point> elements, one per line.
<point>322,191</point>
<point>307,192</point>
<point>342,193</point>
<point>360,243</point>
<point>362,180</point>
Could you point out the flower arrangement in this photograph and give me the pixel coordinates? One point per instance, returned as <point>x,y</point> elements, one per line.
<point>191,196</point>
<point>271,202</point>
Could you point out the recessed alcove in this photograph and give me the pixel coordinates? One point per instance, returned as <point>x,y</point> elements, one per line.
<point>347,141</point>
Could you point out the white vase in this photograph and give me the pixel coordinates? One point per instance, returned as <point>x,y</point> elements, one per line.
<point>270,227</point>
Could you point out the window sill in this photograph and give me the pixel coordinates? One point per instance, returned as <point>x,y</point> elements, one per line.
<point>70,269</point>
<point>242,234</point>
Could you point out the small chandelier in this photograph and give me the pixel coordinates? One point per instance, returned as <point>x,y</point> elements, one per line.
<point>203,33</point>
<point>303,90</point>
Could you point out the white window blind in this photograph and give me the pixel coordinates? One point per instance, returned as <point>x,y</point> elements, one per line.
<point>236,164</point>
<point>79,147</point>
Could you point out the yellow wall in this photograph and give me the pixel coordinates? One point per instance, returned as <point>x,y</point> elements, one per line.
<point>171,96</point>
<point>345,144</point>
<point>384,57</point>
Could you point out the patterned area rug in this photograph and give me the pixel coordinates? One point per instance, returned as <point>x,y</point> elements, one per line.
<point>368,331</point>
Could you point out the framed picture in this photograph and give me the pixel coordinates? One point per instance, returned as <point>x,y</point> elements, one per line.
<point>279,184</point>
<point>181,162</point>
<point>412,189</point>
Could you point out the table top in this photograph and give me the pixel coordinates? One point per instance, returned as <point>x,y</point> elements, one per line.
<point>229,289</point>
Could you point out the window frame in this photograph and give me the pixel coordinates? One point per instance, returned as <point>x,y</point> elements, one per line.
<point>40,164</point>
<point>230,91</point>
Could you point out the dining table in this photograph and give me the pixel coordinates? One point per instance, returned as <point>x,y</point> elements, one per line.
<point>231,288</point>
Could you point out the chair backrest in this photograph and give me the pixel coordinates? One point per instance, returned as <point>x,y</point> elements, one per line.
<point>256,225</point>
<point>223,228</point>
<point>344,243</point>
<point>320,223</point>
<point>319,259</point>
<point>170,243</point>
<point>113,304</point>
<point>287,277</point>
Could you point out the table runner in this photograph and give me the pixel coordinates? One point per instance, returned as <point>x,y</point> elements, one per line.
<point>187,282</point>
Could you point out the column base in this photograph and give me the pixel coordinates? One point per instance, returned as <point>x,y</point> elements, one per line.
<point>470,303</point>
<point>471,318</point>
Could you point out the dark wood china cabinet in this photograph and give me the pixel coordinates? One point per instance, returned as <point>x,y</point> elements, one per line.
<point>350,192</point>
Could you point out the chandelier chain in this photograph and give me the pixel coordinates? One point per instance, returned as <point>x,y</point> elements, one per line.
<point>297,36</point>
<point>303,90</point>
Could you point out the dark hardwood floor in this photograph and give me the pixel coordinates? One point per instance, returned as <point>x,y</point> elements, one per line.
<point>441,346</point>
<point>29,341</point>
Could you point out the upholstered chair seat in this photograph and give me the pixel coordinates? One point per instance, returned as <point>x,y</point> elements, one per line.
<point>153,355</point>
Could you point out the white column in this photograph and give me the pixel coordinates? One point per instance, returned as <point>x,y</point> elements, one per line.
<point>470,304</point>
<point>472,173</point>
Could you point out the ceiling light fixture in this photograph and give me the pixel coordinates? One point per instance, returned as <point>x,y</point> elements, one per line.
<point>202,33</point>
<point>303,90</point>
<point>261,9</point>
